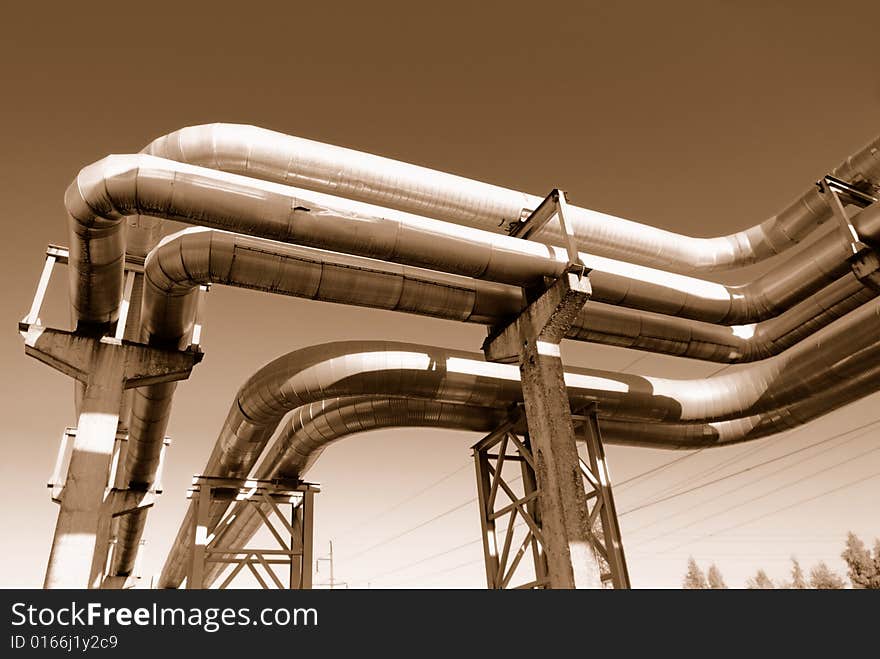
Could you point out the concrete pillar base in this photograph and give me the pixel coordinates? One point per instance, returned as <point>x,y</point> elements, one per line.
<point>106,366</point>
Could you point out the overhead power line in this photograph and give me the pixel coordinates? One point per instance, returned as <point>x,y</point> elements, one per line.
<point>632,510</point>
<point>410,497</point>
<point>411,529</point>
<point>764,495</point>
<point>834,490</point>
<point>746,470</point>
<point>657,469</point>
<point>720,466</point>
<point>703,502</point>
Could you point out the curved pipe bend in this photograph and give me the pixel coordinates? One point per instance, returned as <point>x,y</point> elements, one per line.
<point>274,156</point>
<point>175,269</point>
<point>99,274</point>
<point>116,186</point>
<point>310,429</point>
<point>192,257</point>
<point>182,262</point>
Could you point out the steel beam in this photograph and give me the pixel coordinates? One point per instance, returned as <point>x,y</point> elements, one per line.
<point>518,506</point>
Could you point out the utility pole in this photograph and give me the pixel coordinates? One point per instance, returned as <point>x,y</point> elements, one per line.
<point>329,558</point>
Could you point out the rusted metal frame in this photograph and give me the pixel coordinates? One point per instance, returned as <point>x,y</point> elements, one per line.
<point>256,573</point>
<point>234,573</point>
<point>508,458</point>
<point>528,520</point>
<point>196,577</point>
<point>234,551</point>
<point>494,437</point>
<point>257,493</point>
<point>221,529</point>
<point>270,571</point>
<point>524,452</point>
<point>268,523</point>
<point>296,560</point>
<point>505,551</point>
<point>499,465</point>
<point>279,514</point>
<point>613,543</point>
<point>530,485</point>
<point>515,505</point>
<point>487,525</point>
<point>308,532</point>
<point>520,552</point>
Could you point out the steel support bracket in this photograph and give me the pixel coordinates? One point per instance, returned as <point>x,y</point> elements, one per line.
<point>864,260</point>
<point>73,355</point>
<point>839,192</point>
<point>553,205</point>
<point>126,501</point>
<point>294,536</point>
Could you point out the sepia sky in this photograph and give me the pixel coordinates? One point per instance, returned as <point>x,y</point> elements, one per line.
<point>698,117</point>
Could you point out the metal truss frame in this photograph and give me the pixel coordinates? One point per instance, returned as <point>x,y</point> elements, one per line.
<point>293,535</point>
<point>517,501</point>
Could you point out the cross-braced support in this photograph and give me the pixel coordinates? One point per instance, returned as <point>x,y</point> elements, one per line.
<point>509,498</point>
<point>293,533</point>
<point>105,367</point>
<point>605,539</point>
<point>532,340</point>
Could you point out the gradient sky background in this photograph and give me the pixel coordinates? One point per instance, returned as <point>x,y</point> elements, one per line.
<point>701,117</point>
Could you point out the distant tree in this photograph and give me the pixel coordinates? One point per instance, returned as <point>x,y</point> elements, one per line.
<point>694,579</point>
<point>877,555</point>
<point>863,569</point>
<point>760,581</point>
<point>798,580</point>
<point>823,578</point>
<point>716,581</point>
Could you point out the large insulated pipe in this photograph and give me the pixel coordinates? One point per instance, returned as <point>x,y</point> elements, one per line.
<point>159,402</point>
<point>398,369</point>
<point>180,264</point>
<point>309,429</point>
<point>776,393</point>
<point>106,191</point>
<point>175,269</point>
<point>198,256</point>
<point>266,154</point>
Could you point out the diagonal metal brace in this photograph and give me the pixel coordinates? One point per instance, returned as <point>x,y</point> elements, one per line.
<point>554,205</point>
<point>838,192</point>
<point>125,502</point>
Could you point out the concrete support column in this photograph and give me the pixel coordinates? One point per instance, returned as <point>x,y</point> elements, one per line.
<point>533,340</point>
<point>106,366</point>
<point>80,543</point>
